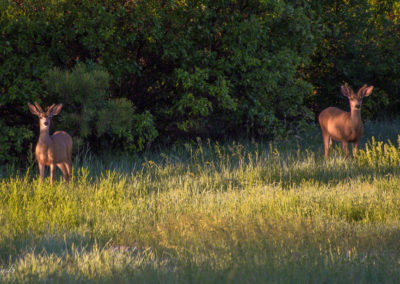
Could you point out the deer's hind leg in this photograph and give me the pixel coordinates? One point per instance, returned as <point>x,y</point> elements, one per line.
<point>68,166</point>
<point>64,170</point>
<point>68,163</point>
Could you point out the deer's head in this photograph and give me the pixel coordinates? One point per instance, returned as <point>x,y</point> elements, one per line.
<point>355,99</point>
<point>45,116</point>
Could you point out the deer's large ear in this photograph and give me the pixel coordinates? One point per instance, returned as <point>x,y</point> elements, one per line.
<point>361,91</point>
<point>56,109</point>
<point>49,109</point>
<point>39,108</point>
<point>345,90</point>
<point>33,109</point>
<point>368,91</point>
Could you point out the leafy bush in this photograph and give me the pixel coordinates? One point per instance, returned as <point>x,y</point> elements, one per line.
<point>358,44</point>
<point>12,141</point>
<point>90,115</point>
<point>225,68</point>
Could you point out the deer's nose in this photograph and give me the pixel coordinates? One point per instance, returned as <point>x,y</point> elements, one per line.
<point>358,106</point>
<point>46,123</point>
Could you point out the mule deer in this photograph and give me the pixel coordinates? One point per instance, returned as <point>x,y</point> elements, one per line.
<point>52,150</point>
<point>344,126</point>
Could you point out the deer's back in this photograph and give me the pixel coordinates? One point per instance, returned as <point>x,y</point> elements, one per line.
<point>62,144</point>
<point>333,115</point>
<point>62,137</point>
<point>338,124</point>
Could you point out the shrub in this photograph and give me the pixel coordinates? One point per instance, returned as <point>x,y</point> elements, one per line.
<point>92,116</point>
<point>357,44</point>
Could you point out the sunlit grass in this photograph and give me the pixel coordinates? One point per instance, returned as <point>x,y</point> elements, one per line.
<point>206,212</point>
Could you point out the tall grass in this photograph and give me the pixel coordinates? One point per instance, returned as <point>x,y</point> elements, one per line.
<point>205,212</point>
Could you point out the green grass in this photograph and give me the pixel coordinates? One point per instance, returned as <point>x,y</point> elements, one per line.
<point>204,213</point>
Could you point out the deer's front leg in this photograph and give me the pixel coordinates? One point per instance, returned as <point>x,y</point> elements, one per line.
<point>52,170</point>
<point>327,140</point>
<point>355,148</point>
<point>345,148</point>
<point>41,172</point>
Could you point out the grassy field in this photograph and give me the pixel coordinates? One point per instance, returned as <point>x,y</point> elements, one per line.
<point>204,213</point>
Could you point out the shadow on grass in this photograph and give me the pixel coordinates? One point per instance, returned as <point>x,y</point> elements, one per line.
<point>298,266</point>
<point>11,249</point>
<point>327,175</point>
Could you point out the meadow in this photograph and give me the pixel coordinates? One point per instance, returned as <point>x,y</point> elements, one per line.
<point>208,212</point>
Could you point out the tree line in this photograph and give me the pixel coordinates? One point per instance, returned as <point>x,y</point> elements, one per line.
<point>132,73</point>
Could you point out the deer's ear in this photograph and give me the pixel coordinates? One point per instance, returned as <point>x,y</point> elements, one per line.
<point>345,90</point>
<point>33,109</point>
<point>49,109</point>
<point>368,91</point>
<point>39,108</point>
<point>361,91</point>
<point>56,109</point>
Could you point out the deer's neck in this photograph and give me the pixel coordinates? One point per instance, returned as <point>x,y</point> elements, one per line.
<point>355,117</point>
<point>44,137</point>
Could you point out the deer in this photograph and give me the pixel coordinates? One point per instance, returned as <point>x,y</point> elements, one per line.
<point>52,150</point>
<point>343,126</point>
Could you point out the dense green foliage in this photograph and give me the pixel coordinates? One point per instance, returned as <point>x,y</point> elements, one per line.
<point>190,68</point>
<point>90,115</point>
<point>210,213</point>
<point>359,44</point>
